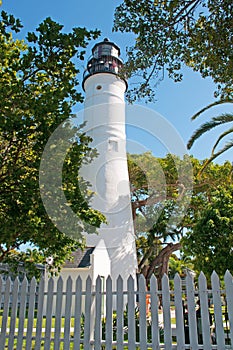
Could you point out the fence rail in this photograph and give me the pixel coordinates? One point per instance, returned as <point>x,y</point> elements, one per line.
<point>31,315</point>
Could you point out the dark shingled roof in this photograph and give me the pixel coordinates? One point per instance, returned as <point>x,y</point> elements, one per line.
<point>80,258</point>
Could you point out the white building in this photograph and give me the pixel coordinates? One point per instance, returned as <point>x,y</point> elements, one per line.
<point>89,262</point>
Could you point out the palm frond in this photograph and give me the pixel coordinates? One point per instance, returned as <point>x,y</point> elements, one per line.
<point>216,103</point>
<point>215,121</point>
<point>225,133</point>
<point>215,155</point>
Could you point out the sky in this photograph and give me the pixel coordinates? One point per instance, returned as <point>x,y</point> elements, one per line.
<point>175,102</point>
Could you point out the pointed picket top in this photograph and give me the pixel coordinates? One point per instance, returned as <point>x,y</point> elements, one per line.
<point>130,283</point>
<point>88,283</point>
<point>59,283</point>
<point>98,283</point>
<point>177,284</point>
<point>60,280</point>
<point>214,277</point>
<point>142,283</point>
<point>69,283</point>
<point>119,282</point>
<point>202,278</point>
<point>33,285</point>
<point>51,283</point>
<point>215,282</point>
<point>189,278</point>
<point>33,282</point>
<point>109,280</point>
<point>153,283</point>
<point>165,282</point>
<point>24,284</point>
<point>177,278</point>
<point>79,283</point>
<point>228,276</point>
<point>16,282</point>
<point>202,284</point>
<point>8,282</point>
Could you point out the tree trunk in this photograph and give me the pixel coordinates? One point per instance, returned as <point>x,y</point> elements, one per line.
<point>160,262</point>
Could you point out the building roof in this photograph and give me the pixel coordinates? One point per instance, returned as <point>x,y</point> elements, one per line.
<point>80,258</point>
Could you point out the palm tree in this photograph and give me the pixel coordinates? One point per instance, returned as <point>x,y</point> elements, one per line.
<point>214,122</point>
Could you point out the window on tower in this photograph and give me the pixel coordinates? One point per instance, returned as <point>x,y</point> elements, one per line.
<point>112,145</point>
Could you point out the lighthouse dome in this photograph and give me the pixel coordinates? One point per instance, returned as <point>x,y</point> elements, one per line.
<point>105,59</point>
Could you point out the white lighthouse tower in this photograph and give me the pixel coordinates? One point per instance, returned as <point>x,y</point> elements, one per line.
<point>104,115</point>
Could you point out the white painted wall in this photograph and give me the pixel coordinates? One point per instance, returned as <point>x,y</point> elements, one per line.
<point>108,173</point>
<point>100,266</point>
<point>101,262</point>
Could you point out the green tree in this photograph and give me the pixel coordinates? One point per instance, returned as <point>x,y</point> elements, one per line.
<point>172,34</point>
<point>179,265</point>
<point>39,87</point>
<point>210,241</point>
<point>159,187</point>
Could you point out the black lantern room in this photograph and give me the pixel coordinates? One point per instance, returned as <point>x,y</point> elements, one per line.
<point>105,59</point>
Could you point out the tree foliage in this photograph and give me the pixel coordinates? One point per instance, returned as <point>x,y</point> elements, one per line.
<point>160,221</point>
<point>210,241</point>
<point>39,87</point>
<point>172,34</point>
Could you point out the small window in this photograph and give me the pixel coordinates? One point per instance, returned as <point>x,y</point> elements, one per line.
<point>113,145</point>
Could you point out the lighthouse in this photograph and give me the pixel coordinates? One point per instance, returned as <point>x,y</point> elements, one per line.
<point>104,116</point>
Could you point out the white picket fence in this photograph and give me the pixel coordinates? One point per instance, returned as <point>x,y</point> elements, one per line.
<point>138,326</point>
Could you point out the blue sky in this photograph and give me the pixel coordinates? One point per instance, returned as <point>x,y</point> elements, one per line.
<point>176,102</point>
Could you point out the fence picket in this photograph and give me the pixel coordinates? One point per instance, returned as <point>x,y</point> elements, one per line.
<point>142,313</point>
<point>180,325</point>
<point>154,302</point>
<point>5,313</point>
<point>15,291</point>
<point>108,335</point>
<point>191,311</point>
<point>98,314</point>
<point>205,319</point>
<point>220,337</point>
<point>131,313</point>
<point>31,308</point>
<point>39,320</point>
<point>22,310</point>
<point>120,313</point>
<point>78,308</point>
<point>97,305</point>
<point>87,322</point>
<point>166,313</point>
<point>69,284</point>
<point>49,307</point>
<point>229,292</point>
<point>59,299</point>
